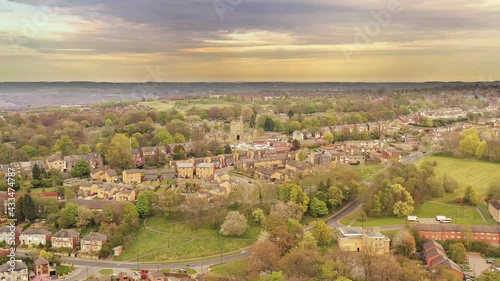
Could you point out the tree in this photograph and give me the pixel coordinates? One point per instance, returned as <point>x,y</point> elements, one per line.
<point>271,276</point>
<point>288,210</point>
<point>64,145</point>
<point>317,208</point>
<point>258,215</point>
<point>295,144</point>
<point>481,149</point>
<point>29,210</point>
<point>328,137</point>
<point>335,196</point>
<point>321,232</point>
<point>332,270</point>
<point>469,144</point>
<point>81,168</point>
<point>118,152</point>
<point>234,224</point>
<point>19,211</point>
<point>179,138</point>
<point>68,216</point>
<point>130,214</point>
<point>488,275</point>
<point>300,264</point>
<point>471,196</point>
<point>404,201</point>
<point>85,217</point>
<point>405,242</point>
<point>294,193</point>
<point>227,149</point>
<point>269,125</point>
<point>458,253</point>
<point>264,256</point>
<point>84,149</point>
<point>179,152</point>
<point>144,204</point>
<point>36,172</point>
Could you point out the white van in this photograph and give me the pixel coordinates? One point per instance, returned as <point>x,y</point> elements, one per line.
<point>446,220</point>
<point>412,218</point>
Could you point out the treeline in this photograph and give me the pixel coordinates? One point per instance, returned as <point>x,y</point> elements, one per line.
<point>401,187</point>
<point>471,143</point>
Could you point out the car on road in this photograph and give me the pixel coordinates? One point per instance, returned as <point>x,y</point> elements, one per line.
<point>249,181</point>
<point>490,260</point>
<point>468,277</point>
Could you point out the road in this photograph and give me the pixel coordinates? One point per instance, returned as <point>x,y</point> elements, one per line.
<point>95,265</point>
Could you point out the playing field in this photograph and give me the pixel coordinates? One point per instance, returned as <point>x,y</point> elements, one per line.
<point>478,174</point>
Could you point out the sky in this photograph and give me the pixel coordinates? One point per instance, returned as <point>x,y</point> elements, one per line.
<point>250,40</point>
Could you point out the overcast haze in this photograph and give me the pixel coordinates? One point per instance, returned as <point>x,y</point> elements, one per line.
<point>249,40</point>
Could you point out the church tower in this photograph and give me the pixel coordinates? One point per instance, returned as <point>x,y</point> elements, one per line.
<point>236,129</point>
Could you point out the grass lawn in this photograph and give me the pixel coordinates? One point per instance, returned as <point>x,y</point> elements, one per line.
<point>369,169</point>
<point>106,271</point>
<point>459,215</point>
<point>478,174</point>
<point>63,270</point>
<point>369,222</point>
<point>44,189</point>
<point>236,268</point>
<point>203,241</point>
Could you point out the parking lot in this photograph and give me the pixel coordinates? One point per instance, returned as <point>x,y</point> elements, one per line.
<point>478,263</point>
<point>428,221</point>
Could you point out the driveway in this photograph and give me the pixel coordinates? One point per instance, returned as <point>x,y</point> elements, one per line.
<point>477,263</point>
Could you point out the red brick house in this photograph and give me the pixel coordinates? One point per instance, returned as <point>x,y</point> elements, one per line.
<point>435,257</point>
<point>442,232</point>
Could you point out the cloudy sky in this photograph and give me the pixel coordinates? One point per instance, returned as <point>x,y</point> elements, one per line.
<point>249,40</point>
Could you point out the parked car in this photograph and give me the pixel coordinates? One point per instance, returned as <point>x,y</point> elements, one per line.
<point>490,260</point>
<point>465,266</point>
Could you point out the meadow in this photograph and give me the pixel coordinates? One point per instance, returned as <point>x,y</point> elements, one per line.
<point>479,174</point>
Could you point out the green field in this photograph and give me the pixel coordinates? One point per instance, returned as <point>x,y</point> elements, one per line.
<point>478,174</point>
<point>185,243</point>
<point>458,214</point>
<point>369,170</point>
<point>236,268</point>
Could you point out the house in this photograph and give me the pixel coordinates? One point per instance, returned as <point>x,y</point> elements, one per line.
<point>205,170</point>
<point>93,242</point>
<point>97,174</point>
<point>221,175</point>
<point>494,209</point>
<point>56,162</point>
<point>125,194</point>
<point>435,256</point>
<point>131,176</point>
<point>87,189</point>
<point>41,267</point>
<point>5,234</point>
<point>156,276</point>
<point>167,174</point>
<point>106,192</point>
<point>441,232</point>
<point>185,170</point>
<point>151,175</point>
<point>110,176</point>
<point>35,237</point>
<point>65,238</point>
<point>358,239</point>
<point>18,273</point>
